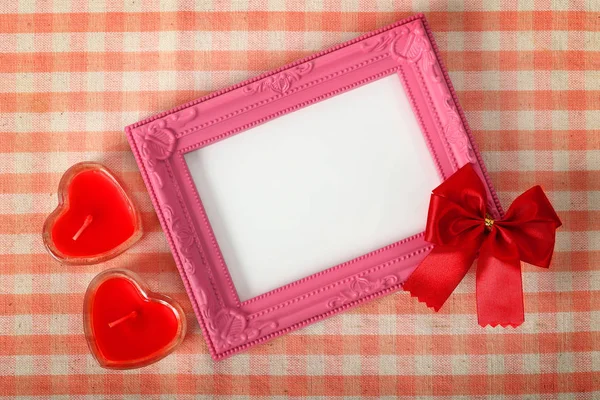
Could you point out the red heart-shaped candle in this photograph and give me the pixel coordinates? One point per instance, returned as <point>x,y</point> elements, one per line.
<point>126,325</point>
<point>95,219</point>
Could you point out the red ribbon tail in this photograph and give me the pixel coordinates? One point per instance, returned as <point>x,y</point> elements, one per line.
<point>499,287</point>
<point>438,274</point>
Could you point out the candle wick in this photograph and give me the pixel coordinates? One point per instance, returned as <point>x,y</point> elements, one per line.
<point>116,322</point>
<point>86,223</point>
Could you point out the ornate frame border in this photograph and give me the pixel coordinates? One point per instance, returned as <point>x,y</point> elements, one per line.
<point>159,143</point>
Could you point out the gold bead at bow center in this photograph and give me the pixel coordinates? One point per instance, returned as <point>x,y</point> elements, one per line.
<point>489,222</point>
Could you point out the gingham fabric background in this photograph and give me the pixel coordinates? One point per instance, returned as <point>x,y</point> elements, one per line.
<point>73,73</point>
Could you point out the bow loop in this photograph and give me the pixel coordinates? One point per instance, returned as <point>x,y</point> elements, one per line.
<point>459,222</point>
<point>466,189</point>
<point>459,226</point>
<point>458,204</point>
<point>532,222</point>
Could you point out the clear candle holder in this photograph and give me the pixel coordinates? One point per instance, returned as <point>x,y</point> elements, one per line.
<point>105,326</point>
<point>99,233</point>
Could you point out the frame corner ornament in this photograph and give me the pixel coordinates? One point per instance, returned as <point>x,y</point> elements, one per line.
<point>159,139</point>
<point>230,327</point>
<point>416,48</point>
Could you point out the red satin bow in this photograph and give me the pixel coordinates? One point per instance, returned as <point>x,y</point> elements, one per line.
<point>460,227</point>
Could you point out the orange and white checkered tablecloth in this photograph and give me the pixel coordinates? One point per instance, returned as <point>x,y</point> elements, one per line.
<point>73,73</point>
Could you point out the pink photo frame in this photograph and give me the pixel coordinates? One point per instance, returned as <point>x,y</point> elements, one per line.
<point>164,146</point>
